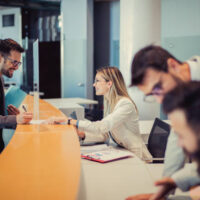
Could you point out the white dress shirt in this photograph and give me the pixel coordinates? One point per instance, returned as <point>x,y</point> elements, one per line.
<point>174,155</point>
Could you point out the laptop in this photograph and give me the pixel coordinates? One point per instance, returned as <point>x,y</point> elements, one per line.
<point>157,141</point>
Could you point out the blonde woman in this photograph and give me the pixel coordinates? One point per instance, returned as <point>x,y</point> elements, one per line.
<point>120,115</point>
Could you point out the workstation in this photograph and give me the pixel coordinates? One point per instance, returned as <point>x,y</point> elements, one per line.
<point>77,86</point>
<point>70,105</point>
<point>57,166</point>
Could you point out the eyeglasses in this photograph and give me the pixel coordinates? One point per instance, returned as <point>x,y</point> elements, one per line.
<point>98,81</point>
<point>156,91</point>
<point>15,63</point>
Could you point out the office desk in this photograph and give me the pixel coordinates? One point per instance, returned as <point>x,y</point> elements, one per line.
<point>119,179</point>
<point>80,101</point>
<point>41,161</point>
<point>116,180</point>
<point>68,105</point>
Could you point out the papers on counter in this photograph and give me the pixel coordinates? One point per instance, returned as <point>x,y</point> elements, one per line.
<point>37,121</point>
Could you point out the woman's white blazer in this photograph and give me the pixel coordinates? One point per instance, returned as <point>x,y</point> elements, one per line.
<point>123,124</point>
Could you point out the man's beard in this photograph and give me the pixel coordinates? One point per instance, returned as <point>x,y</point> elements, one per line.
<point>194,156</point>
<point>6,73</point>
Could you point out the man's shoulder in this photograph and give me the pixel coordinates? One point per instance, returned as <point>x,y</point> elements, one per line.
<point>194,59</point>
<point>194,65</point>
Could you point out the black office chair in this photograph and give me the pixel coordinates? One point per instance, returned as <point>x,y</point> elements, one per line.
<point>158,140</point>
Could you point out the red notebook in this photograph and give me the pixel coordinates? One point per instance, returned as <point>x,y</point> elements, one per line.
<point>108,155</point>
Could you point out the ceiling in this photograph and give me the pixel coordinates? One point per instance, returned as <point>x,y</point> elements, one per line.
<point>32,4</point>
<point>38,4</point>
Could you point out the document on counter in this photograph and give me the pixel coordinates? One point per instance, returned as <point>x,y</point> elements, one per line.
<point>37,121</point>
<point>94,148</point>
<point>107,154</point>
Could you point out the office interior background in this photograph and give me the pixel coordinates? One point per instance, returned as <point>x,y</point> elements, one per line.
<point>78,36</point>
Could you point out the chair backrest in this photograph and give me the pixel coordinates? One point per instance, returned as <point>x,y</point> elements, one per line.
<point>158,138</point>
<point>15,96</point>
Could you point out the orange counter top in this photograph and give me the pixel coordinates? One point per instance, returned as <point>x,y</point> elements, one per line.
<point>41,162</point>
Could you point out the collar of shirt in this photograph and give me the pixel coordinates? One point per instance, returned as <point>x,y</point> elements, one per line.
<point>194,64</point>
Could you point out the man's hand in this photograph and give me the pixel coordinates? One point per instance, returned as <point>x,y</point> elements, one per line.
<point>24,118</point>
<point>195,192</point>
<point>12,110</point>
<point>140,197</point>
<point>166,185</point>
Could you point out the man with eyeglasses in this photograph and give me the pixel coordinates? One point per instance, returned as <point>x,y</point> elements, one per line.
<point>155,72</point>
<point>10,60</point>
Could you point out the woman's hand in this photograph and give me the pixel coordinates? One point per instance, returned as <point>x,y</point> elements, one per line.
<point>81,134</point>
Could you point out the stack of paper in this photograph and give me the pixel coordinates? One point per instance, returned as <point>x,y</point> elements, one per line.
<point>94,148</point>
<point>35,121</point>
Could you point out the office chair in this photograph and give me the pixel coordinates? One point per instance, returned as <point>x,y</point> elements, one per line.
<point>158,140</point>
<point>15,96</point>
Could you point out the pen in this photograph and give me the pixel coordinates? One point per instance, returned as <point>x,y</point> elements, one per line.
<point>62,123</point>
<point>23,106</point>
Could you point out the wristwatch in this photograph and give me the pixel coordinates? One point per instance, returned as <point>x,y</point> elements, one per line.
<point>68,122</point>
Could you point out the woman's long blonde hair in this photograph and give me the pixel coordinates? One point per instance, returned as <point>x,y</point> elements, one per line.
<point>117,90</point>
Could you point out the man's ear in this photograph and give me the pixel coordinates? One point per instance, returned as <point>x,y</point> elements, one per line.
<point>173,66</point>
<point>1,58</point>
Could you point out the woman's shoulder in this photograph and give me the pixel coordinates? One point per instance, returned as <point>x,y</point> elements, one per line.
<point>123,101</point>
<point>127,104</point>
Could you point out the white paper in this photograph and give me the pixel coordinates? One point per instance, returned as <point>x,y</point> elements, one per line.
<point>94,148</point>
<point>37,121</point>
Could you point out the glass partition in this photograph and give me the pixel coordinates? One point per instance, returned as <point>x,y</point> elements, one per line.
<point>36,79</point>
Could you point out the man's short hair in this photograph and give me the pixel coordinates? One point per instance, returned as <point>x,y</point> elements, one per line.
<point>149,57</point>
<point>8,45</point>
<point>185,97</point>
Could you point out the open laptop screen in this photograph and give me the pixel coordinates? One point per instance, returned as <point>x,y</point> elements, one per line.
<point>158,138</point>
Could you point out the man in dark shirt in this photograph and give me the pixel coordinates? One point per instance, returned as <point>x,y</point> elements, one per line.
<point>10,60</point>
